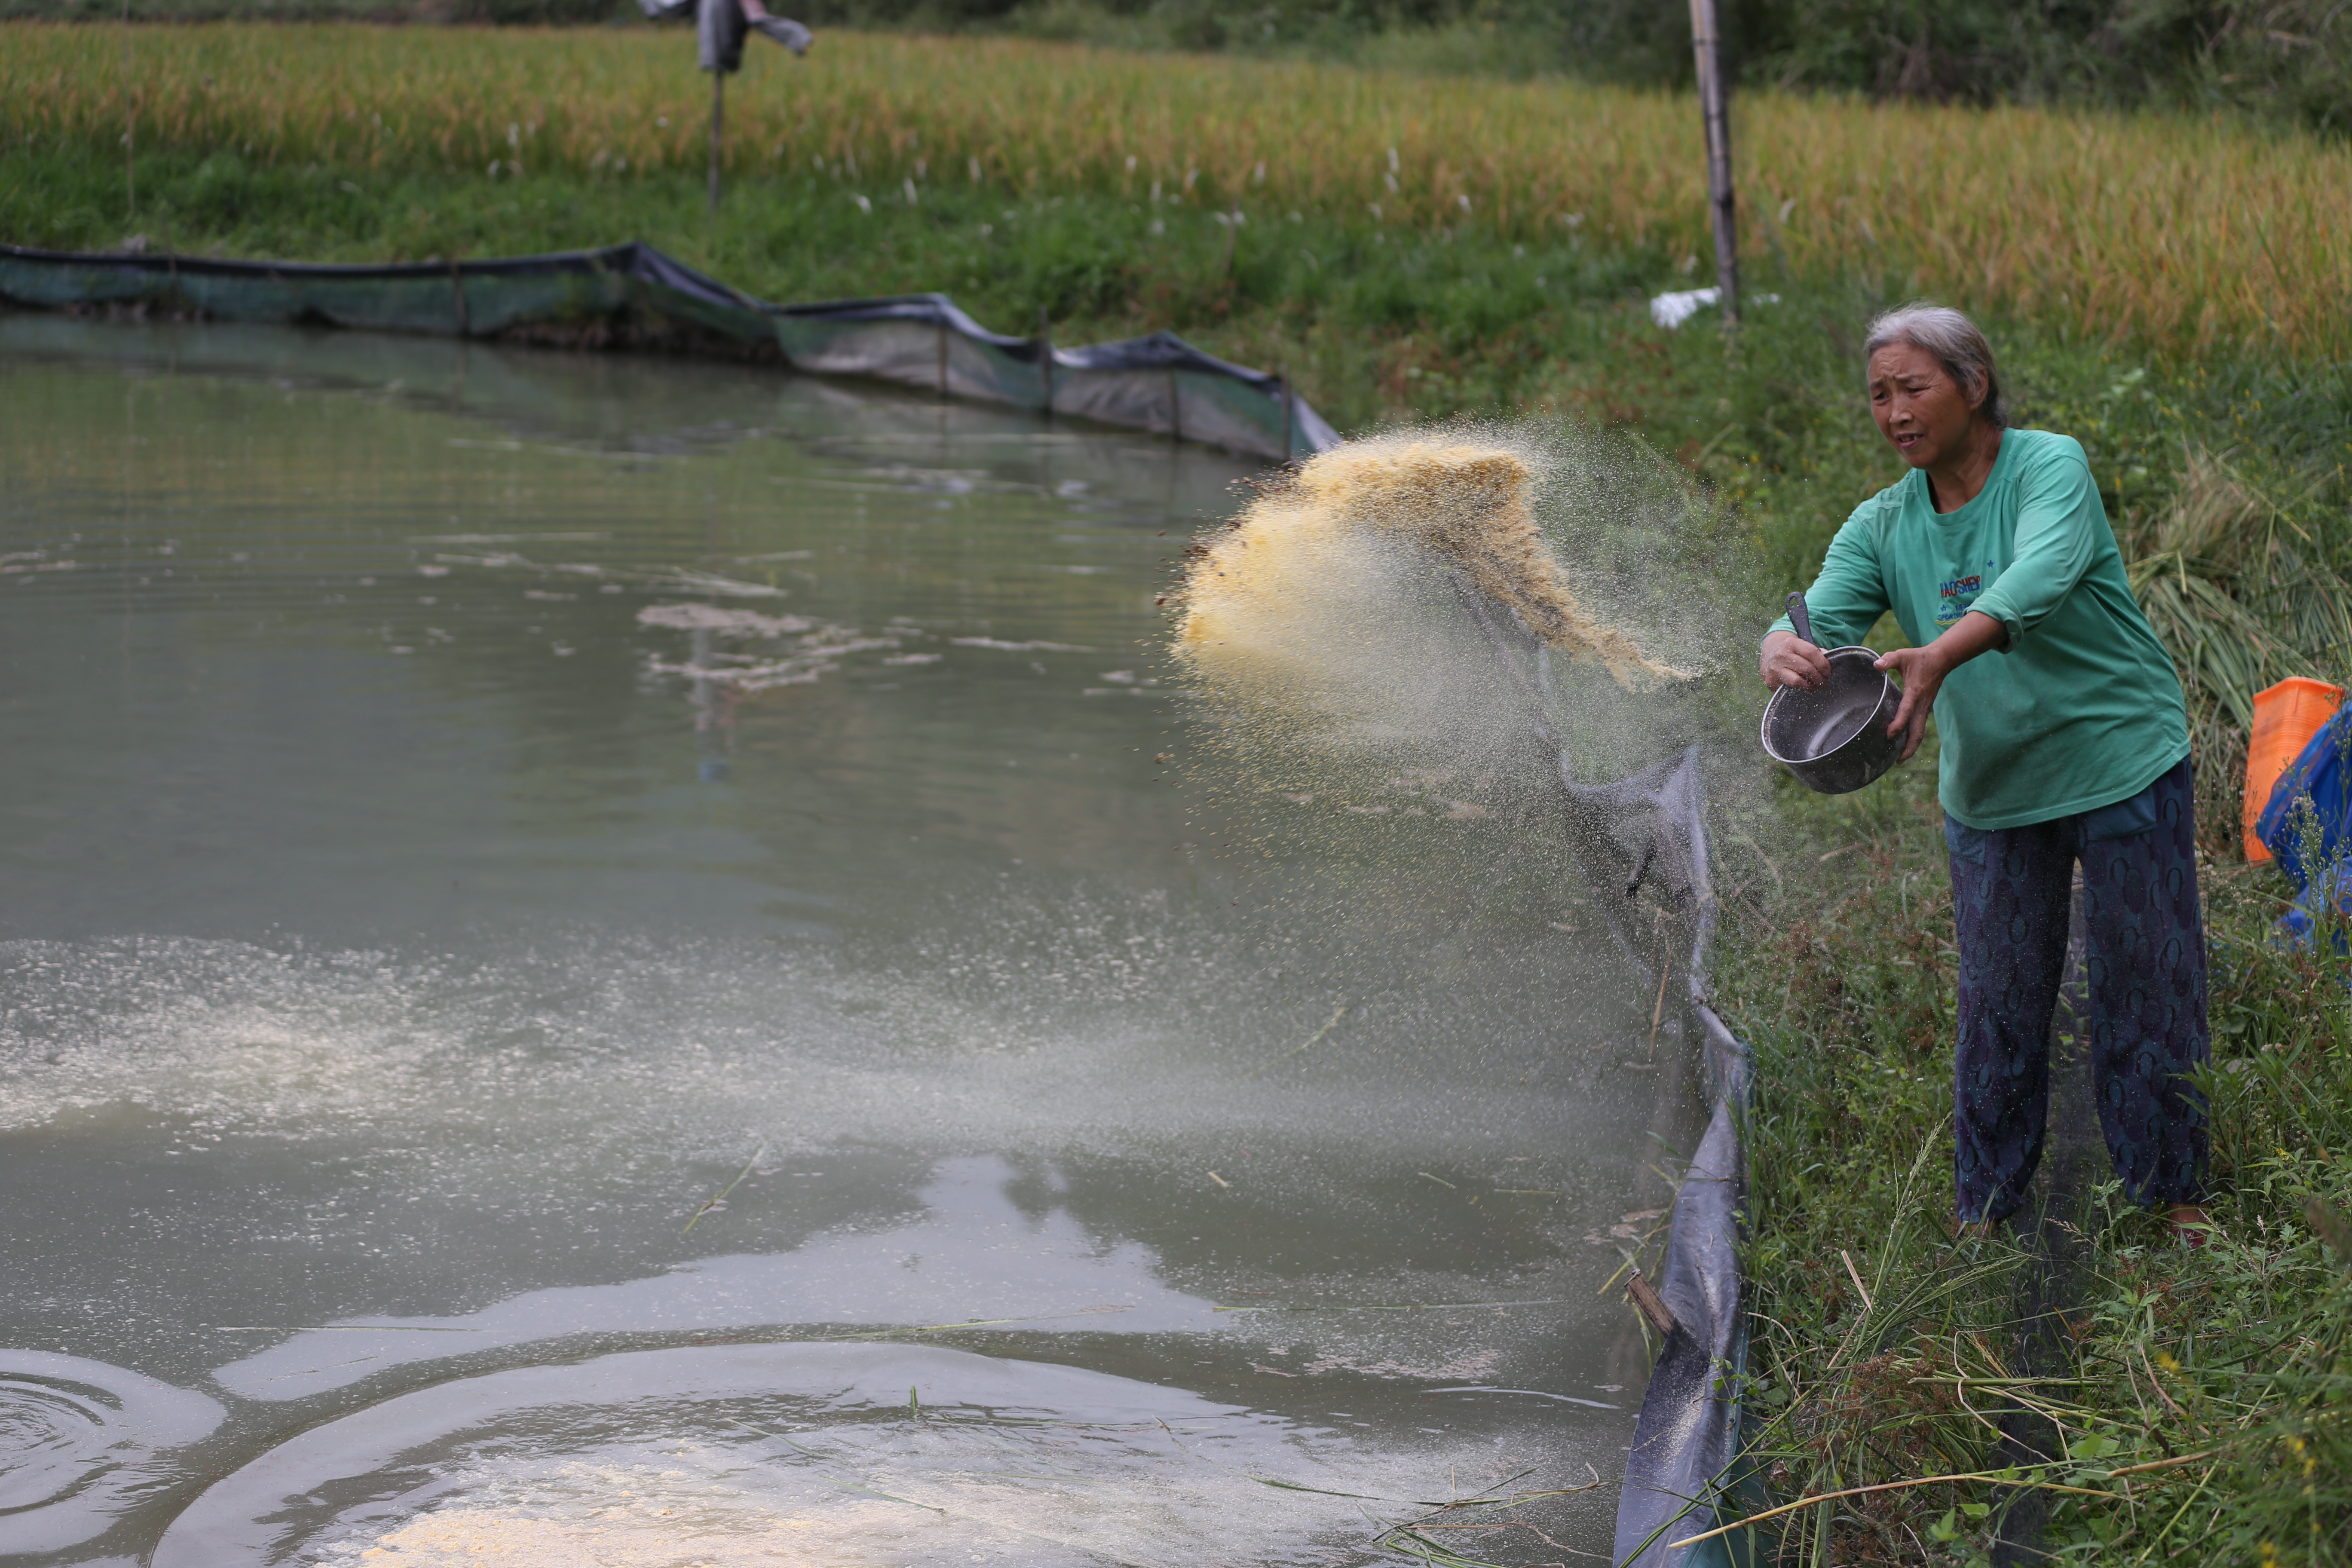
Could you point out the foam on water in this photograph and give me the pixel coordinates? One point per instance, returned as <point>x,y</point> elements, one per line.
<point>1029,1032</point>
<point>509,1146</point>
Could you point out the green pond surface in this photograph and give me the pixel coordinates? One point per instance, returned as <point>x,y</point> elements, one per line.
<point>463,809</point>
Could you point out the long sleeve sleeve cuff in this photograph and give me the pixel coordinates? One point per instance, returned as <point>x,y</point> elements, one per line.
<point>1992,603</point>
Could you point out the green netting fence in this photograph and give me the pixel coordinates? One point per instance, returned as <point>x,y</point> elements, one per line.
<point>633,296</point>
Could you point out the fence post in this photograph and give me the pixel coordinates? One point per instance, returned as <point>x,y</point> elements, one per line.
<point>718,121</point>
<point>1045,358</point>
<point>1706,44</point>
<point>1289,419</point>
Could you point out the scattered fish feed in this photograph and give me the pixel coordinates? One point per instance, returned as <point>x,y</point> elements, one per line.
<point>1267,592</point>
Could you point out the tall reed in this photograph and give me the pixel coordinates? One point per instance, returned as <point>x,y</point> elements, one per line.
<point>2184,233</point>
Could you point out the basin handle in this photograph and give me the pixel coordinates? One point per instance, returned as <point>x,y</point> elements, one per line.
<point>1800,620</point>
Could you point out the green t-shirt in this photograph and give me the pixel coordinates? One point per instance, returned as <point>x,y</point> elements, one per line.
<point>2083,708</point>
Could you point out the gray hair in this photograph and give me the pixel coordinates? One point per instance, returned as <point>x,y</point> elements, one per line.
<point>1955,342</point>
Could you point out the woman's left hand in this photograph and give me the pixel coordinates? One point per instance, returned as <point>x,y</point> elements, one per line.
<point>1920,671</point>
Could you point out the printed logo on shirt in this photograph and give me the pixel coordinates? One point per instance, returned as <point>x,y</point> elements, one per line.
<point>1957,594</point>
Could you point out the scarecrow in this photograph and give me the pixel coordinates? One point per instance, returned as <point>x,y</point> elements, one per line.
<point>721,26</point>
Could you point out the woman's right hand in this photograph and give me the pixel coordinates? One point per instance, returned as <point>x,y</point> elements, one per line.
<point>1787,659</point>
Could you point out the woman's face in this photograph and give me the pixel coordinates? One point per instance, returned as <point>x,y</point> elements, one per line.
<point>1919,407</point>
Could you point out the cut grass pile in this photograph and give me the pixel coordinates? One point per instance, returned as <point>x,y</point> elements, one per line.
<point>2184,234</point>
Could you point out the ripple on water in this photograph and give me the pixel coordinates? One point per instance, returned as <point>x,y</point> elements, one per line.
<point>77,1444</point>
<point>725,1456</point>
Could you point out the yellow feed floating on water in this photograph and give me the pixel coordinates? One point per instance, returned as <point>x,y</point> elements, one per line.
<point>1282,574</point>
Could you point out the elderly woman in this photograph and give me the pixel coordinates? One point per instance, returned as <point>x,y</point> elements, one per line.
<point>2063,740</point>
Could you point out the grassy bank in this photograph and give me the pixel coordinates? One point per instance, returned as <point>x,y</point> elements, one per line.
<point>1885,1349</point>
<point>2168,291</point>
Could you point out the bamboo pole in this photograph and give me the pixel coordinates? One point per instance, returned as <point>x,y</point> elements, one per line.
<point>130,124</point>
<point>1706,44</point>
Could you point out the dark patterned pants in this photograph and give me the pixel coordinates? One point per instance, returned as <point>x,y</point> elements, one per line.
<point>2144,942</point>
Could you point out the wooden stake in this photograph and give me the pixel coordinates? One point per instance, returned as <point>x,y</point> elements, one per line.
<point>1045,358</point>
<point>1654,1306</point>
<point>1706,44</point>
<point>1282,384</point>
<point>719,121</point>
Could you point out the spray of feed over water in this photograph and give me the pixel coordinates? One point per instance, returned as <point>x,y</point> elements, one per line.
<point>1470,502</point>
<point>1398,651</point>
<point>1346,624</point>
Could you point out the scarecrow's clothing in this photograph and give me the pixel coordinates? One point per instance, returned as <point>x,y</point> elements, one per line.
<point>720,27</point>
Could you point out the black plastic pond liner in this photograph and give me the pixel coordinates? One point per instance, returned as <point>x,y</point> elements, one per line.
<point>1685,1472</point>
<point>1680,1474</point>
<point>633,296</point>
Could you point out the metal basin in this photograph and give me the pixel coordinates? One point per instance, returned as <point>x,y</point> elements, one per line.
<point>1834,740</point>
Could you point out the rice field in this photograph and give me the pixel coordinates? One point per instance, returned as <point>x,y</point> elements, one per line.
<point>2183,235</point>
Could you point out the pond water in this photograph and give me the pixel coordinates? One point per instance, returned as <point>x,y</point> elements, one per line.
<point>466,810</point>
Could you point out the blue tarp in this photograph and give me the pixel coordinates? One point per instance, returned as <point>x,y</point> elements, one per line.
<point>2303,826</point>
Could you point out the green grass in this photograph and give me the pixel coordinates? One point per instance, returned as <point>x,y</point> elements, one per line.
<point>1842,978</point>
